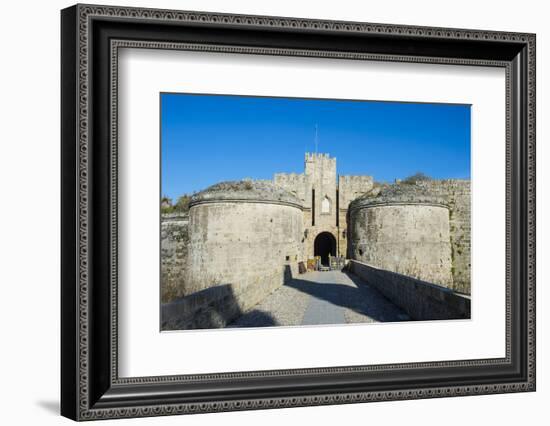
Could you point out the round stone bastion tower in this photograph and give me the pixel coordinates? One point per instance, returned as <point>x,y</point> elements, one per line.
<point>403,229</point>
<point>244,239</point>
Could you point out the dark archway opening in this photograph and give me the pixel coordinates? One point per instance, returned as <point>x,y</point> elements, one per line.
<point>324,245</point>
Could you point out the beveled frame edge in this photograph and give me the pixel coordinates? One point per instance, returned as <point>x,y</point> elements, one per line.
<point>75,212</point>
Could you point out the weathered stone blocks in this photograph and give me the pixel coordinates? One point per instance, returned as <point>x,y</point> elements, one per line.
<point>420,299</point>
<point>173,257</point>
<point>411,238</point>
<point>241,237</point>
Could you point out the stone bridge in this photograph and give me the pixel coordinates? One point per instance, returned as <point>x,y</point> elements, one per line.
<point>313,298</point>
<point>360,294</point>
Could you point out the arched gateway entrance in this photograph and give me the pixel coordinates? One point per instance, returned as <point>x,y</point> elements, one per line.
<point>324,245</point>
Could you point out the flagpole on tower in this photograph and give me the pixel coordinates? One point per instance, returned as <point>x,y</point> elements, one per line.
<point>316,138</point>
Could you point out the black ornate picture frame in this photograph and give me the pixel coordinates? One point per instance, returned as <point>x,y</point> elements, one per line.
<point>90,38</point>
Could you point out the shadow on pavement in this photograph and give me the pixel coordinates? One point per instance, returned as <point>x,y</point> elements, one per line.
<point>254,318</point>
<point>362,298</point>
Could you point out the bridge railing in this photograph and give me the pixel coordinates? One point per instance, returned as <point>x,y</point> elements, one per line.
<point>420,299</point>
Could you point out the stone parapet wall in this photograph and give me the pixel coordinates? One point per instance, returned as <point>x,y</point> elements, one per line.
<point>420,299</point>
<point>218,305</point>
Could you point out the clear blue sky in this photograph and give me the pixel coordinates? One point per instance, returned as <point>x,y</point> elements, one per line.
<point>206,139</point>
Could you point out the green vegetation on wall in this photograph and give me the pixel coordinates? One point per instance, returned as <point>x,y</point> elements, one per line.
<point>181,206</point>
<point>417,177</point>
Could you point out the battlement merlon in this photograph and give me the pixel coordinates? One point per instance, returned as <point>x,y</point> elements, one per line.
<point>351,187</point>
<point>312,156</point>
<point>320,164</point>
<point>355,178</point>
<point>285,177</point>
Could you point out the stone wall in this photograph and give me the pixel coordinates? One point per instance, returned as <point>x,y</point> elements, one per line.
<point>421,300</point>
<point>320,172</point>
<point>173,256</point>
<point>240,241</point>
<point>457,195</point>
<point>453,193</point>
<point>319,176</point>
<point>352,187</point>
<point>296,184</point>
<point>241,235</point>
<point>408,238</point>
<point>349,189</point>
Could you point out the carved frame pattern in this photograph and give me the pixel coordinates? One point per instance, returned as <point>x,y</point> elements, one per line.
<point>85,409</point>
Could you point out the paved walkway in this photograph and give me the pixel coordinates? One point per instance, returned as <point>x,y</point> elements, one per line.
<point>313,298</point>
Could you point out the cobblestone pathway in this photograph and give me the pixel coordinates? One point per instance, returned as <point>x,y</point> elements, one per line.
<point>332,297</point>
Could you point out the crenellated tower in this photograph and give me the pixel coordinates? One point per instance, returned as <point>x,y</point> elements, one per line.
<point>325,198</point>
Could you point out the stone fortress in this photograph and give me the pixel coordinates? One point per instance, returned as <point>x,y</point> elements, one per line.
<point>241,241</point>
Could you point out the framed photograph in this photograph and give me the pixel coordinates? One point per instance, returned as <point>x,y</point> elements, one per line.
<point>263,212</point>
